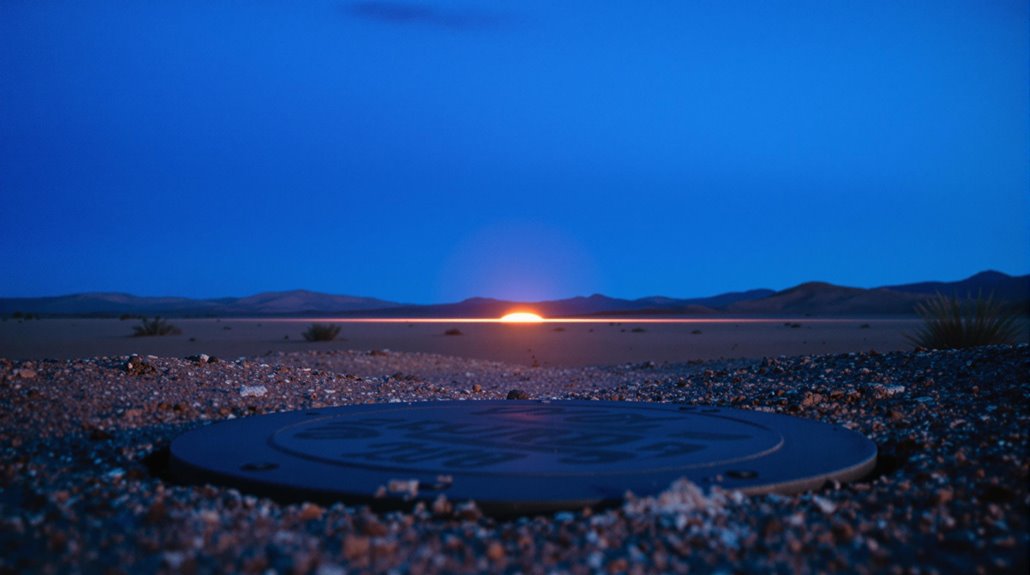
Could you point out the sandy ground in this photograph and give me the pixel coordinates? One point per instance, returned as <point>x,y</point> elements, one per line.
<point>550,344</point>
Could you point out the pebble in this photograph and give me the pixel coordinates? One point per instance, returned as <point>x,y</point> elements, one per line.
<point>253,391</point>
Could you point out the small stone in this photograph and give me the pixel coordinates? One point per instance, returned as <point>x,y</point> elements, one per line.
<point>173,559</point>
<point>468,511</point>
<point>441,506</point>
<point>619,565</point>
<point>406,487</point>
<point>495,551</point>
<point>517,394</point>
<point>371,527</point>
<point>136,366</point>
<point>253,391</point>
<point>843,531</point>
<point>812,399</point>
<point>355,547</point>
<point>310,512</point>
<point>477,388</point>
<point>892,390</point>
<point>825,505</point>
<point>26,373</point>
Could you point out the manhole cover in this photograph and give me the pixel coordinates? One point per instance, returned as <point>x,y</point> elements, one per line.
<point>516,456</point>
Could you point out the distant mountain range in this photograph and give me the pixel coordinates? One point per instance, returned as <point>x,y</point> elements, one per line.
<point>813,298</point>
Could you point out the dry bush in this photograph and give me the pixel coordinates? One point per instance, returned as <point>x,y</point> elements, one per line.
<point>950,322</point>
<point>321,332</point>
<point>155,326</point>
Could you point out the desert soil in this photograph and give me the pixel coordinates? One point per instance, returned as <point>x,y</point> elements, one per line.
<point>81,487</point>
<point>549,344</point>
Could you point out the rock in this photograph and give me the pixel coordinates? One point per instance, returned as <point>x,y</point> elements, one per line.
<point>26,373</point>
<point>309,512</point>
<point>495,551</point>
<point>406,487</point>
<point>517,394</point>
<point>825,505</point>
<point>370,526</point>
<point>468,511</point>
<point>441,506</point>
<point>136,366</point>
<point>892,390</point>
<point>812,399</point>
<point>355,547</point>
<point>253,391</point>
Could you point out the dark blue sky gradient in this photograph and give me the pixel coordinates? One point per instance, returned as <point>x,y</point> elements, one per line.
<point>430,151</point>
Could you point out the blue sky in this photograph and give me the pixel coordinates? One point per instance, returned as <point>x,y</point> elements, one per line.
<point>430,151</point>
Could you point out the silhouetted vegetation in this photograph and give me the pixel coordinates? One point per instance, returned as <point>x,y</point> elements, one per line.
<point>453,331</point>
<point>953,323</point>
<point>155,326</point>
<point>321,332</point>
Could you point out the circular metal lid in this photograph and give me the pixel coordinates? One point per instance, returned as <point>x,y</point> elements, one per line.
<point>516,456</point>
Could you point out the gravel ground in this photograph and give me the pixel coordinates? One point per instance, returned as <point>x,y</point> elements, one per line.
<point>81,444</point>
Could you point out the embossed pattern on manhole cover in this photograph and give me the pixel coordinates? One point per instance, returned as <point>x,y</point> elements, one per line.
<point>516,456</point>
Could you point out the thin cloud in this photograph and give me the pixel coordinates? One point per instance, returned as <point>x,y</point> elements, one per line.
<point>420,14</point>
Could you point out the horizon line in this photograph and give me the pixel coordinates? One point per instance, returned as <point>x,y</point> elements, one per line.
<point>399,303</point>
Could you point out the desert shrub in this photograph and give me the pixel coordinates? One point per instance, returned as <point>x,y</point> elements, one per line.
<point>950,322</point>
<point>321,332</point>
<point>155,326</point>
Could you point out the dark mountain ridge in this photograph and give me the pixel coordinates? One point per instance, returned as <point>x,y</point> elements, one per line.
<point>810,298</point>
<point>102,304</point>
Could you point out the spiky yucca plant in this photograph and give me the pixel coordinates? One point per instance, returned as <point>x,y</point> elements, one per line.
<point>156,326</point>
<point>949,322</point>
<point>321,332</point>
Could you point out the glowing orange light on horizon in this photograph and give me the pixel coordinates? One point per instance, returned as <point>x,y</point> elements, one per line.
<point>522,317</point>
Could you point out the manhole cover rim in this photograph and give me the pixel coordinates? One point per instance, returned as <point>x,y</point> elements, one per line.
<point>503,493</point>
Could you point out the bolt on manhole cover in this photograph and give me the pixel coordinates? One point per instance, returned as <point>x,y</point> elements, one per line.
<point>515,457</point>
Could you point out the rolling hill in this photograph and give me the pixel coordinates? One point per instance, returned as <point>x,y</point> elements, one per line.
<point>811,298</point>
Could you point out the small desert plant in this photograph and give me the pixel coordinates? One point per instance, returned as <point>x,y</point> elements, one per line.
<point>453,331</point>
<point>321,332</point>
<point>156,326</point>
<point>950,322</point>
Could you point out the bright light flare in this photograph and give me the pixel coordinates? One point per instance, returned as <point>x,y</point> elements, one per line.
<point>522,317</point>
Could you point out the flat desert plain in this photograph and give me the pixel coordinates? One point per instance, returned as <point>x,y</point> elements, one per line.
<point>553,343</point>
